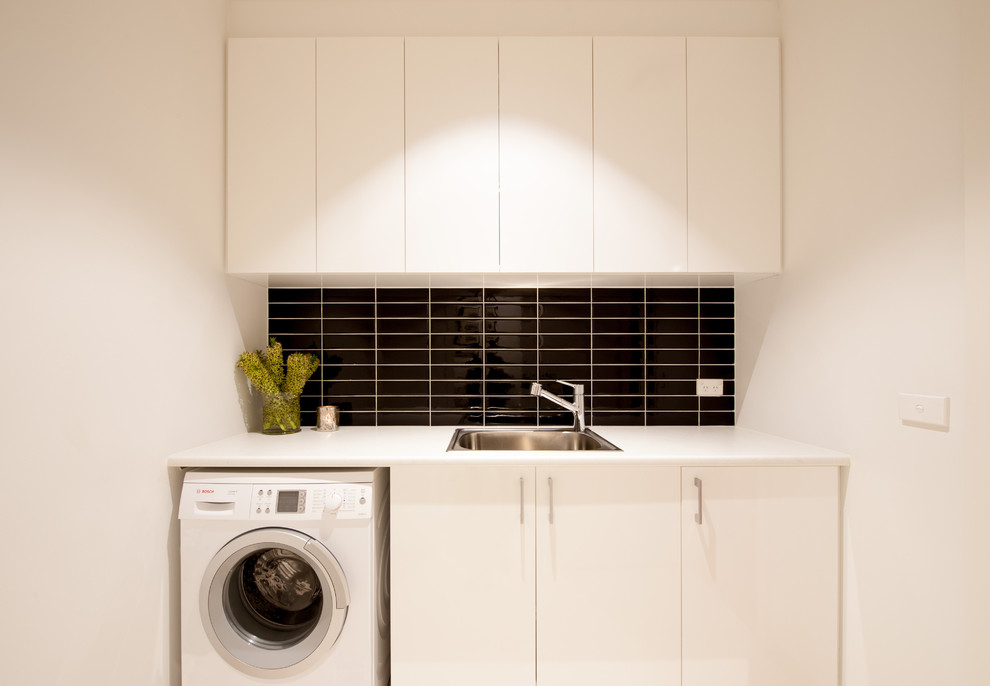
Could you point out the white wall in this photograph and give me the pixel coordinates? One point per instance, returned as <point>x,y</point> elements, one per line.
<point>873,303</point>
<point>119,331</point>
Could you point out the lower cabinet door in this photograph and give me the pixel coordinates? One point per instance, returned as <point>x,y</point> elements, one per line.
<point>462,576</point>
<point>608,576</point>
<point>760,575</point>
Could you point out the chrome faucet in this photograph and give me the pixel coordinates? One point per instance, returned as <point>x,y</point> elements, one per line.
<point>576,408</point>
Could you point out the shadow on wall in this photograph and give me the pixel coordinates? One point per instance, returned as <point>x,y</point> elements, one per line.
<point>755,303</point>
<point>249,302</point>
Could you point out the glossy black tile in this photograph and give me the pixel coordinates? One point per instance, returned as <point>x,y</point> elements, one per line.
<point>717,356</point>
<point>671,295</point>
<point>665,340</point>
<point>443,372</point>
<point>403,372</point>
<point>709,371</point>
<point>421,387</point>
<point>456,325</point>
<point>618,387</point>
<point>510,295</point>
<point>564,295</point>
<point>403,310</point>
<point>503,372</point>
<point>712,310</point>
<point>393,341</point>
<point>348,373</point>
<point>464,340</point>
<point>565,311</point>
<point>455,295</point>
<point>512,403</point>
<point>617,372</point>
<point>725,403</point>
<point>332,358</point>
<point>627,403</point>
<point>672,418</point>
<point>620,310</point>
<point>672,310</point>
<point>612,341</point>
<point>348,325</point>
<point>516,326</point>
<point>279,327</point>
<point>675,372</point>
<point>669,403</point>
<point>564,341</point>
<point>508,387</point>
<point>403,357</point>
<point>671,356</point>
<point>717,295</point>
<point>558,418</point>
<point>444,403</point>
<point>617,418</point>
<point>514,311</point>
<point>549,372</point>
<point>348,342</point>
<point>617,295</point>
<point>570,326</point>
<point>457,310</point>
<point>456,388</point>
<point>709,341</point>
<point>294,310</point>
<point>349,388</point>
<point>299,342</point>
<point>403,326</point>
<point>717,418</point>
<point>357,418</point>
<point>351,403</point>
<point>685,387</point>
<point>631,357</point>
<point>549,356</point>
<point>496,341</point>
<point>349,310</point>
<point>462,357</point>
<point>294,295</point>
<point>348,295</point>
<point>672,325</point>
<point>456,419</point>
<point>403,418</point>
<point>511,357</point>
<point>499,418</point>
<point>618,326</point>
<point>403,295</point>
<point>403,402</point>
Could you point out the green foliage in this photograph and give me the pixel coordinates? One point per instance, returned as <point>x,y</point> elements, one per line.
<point>270,375</point>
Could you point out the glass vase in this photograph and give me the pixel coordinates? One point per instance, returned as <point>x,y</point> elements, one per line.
<point>280,413</point>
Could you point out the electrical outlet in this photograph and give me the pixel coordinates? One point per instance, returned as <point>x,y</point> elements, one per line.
<point>710,387</point>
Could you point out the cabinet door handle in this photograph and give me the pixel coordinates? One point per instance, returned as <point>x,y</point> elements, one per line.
<point>550,486</point>
<point>697,516</point>
<point>522,500</point>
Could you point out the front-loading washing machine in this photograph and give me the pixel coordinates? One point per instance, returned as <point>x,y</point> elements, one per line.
<point>284,577</point>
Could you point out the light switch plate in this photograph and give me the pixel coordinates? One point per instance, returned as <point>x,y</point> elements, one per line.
<point>926,411</point>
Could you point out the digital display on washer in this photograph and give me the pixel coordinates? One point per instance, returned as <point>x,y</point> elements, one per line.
<point>289,501</point>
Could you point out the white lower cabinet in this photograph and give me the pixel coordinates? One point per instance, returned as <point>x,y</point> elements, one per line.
<point>584,575</point>
<point>760,576</point>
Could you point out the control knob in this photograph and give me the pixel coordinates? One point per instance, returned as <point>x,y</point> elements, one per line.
<point>334,501</point>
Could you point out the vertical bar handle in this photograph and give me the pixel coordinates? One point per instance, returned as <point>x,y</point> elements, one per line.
<point>697,516</point>
<point>550,486</point>
<point>522,500</point>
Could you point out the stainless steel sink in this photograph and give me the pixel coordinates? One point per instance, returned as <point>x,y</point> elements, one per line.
<point>527,439</point>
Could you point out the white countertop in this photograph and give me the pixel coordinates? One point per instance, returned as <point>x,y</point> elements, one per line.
<point>408,445</point>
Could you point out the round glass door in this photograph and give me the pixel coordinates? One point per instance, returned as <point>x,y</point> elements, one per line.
<point>272,600</point>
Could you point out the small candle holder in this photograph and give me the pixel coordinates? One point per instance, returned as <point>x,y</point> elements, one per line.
<point>328,418</point>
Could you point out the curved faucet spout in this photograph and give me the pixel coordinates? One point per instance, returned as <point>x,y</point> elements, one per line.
<point>576,408</point>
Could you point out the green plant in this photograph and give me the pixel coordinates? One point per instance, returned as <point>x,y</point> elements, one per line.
<point>280,381</point>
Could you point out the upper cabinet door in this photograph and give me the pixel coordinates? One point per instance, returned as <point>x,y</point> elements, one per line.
<point>733,109</point>
<point>360,177</point>
<point>452,219</point>
<point>545,120</point>
<point>271,154</point>
<point>640,156</point>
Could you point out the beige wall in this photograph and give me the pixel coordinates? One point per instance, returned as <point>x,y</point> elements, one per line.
<point>873,303</point>
<point>119,334</point>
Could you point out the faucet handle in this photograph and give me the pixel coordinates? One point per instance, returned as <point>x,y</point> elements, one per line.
<point>578,387</point>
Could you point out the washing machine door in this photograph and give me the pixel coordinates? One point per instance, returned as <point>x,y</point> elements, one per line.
<point>273,600</point>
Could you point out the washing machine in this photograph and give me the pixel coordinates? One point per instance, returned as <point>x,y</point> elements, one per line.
<point>284,577</point>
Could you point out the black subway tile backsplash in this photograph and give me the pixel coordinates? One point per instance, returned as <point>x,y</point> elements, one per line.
<point>467,356</point>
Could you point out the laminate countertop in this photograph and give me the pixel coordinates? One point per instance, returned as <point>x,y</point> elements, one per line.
<point>406,445</point>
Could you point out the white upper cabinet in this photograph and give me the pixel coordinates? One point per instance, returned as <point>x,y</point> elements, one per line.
<point>733,109</point>
<point>546,161</point>
<point>640,155</point>
<point>271,155</point>
<point>359,155</point>
<point>452,221</point>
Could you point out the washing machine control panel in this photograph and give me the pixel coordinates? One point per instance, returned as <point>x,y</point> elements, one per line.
<point>311,501</point>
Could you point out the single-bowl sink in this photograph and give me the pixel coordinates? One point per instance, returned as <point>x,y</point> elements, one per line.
<point>527,439</point>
